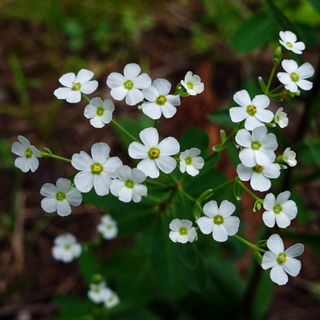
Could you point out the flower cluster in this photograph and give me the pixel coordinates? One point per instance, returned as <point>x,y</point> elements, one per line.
<point>100,293</point>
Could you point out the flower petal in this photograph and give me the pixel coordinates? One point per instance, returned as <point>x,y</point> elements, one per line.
<point>137,151</point>
<point>163,86</point>
<point>84,75</point>
<point>275,244</point>
<point>131,71</point>
<point>269,260</point>
<point>166,164</point>
<point>149,137</point>
<point>115,80</point>
<point>227,208</point>
<point>68,79</point>
<point>242,98</point>
<point>100,152</point>
<point>149,168</point>
<point>169,146</point>
<point>205,224</point>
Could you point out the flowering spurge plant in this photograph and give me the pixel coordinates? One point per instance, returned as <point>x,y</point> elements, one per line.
<point>170,183</point>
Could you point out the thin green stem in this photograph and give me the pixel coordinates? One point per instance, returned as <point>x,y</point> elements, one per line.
<point>119,126</point>
<point>86,97</point>
<point>187,195</point>
<point>275,64</point>
<point>249,244</point>
<point>53,156</point>
<point>245,188</point>
<point>276,88</point>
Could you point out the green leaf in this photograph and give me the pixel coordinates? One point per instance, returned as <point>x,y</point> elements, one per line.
<point>222,118</point>
<point>89,265</point>
<point>194,138</point>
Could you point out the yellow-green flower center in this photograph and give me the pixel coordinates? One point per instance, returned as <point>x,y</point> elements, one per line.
<point>281,258</point>
<point>128,84</point>
<point>190,85</point>
<point>289,44</point>
<point>251,110</point>
<point>161,100</point>
<point>188,161</point>
<point>28,153</point>
<point>183,231</point>
<point>129,184</point>
<point>258,168</point>
<point>153,153</point>
<point>100,111</point>
<point>76,86</point>
<point>255,145</point>
<point>67,247</point>
<point>218,219</point>
<point>294,76</point>
<point>96,168</point>
<point>277,208</point>
<point>60,196</point>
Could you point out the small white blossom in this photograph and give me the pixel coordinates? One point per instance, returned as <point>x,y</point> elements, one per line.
<point>108,227</point>
<point>289,157</point>
<point>191,162</point>
<point>159,101</point>
<point>182,231</point>
<point>74,85</point>
<point>99,112</point>
<point>258,175</point>
<point>295,77</point>
<point>128,185</point>
<point>66,248</point>
<point>281,262</point>
<point>96,171</point>
<point>27,155</point>
<point>281,118</point>
<point>98,293</point>
<point>192,83</point>
<point>289,40</point>
<point>155,156</point>
<point>60,197</point>
<point>258,147</point>
<point>252,111</point>
<point>129,85</point>
<point>279,210</point>
<point>219,221</point>
<point>111,299</point>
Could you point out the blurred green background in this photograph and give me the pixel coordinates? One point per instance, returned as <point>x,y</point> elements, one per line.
<point>229,43</point>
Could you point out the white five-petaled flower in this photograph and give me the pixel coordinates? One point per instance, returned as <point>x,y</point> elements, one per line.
<point>98,292</point>
<point>281,118</point>
<point>99,112</point>
<point>27,155</point>
<point>182,231</point>
<point>219,221</point>
<point>258,147</point>
<point>281,262</point>
<point>74,85</point>
<point>191,162</point>
<point>155,156</point>
<point>108,227</point>
<point>289,157</point>
<point>60,197</point>
<point>111,299</point>
<point>295,77</point>
<point>96,171</point>
<point>159,101</point>
<point>128,85</point>
<point>192,83</point>
<point>279,210</point>
<point>258,175</point>
<point>66,248</point>
<point>252,111</point>
<point>289,40</point>
<point>128,185</point>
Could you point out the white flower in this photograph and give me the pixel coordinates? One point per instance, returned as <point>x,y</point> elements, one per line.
<point>128,184</point>
<point>192,83</point>
<point>258,175</point>
<point>111,299</point>
<point>128,85</point>
<point>182,231</point>
<point>219,221</point>
<point>252,111</point>
<point>27,155</point>
<point>99,112</point>
<point>289,40</point>
<point>294,76</point>
<point>156,156</point>
<point>159,101</point>
<point>96,171</point>
<point>98,292</point>
<point>60,197</point>
<point>258,147</point>
<point>191,162</point>
<point>66,248</point>
<point>74,85</point>
<point>108,227</point>
<point>281,262</point>
<point>279,210</point>
<point>281,118</point>
<point>289,157</point>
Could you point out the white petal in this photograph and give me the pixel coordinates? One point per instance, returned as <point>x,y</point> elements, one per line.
<point>252,123</point>
<point>278,275</point>
<point>173,99</point>
<point>133,97</point>
<point>269,201</point>
<point>68,79</point>
<point>306,70</point>
<point>142,82</point>
<point>118,93</point>
<point>295,250</point>
<point>90,111</point>
<point>49,205</point>
<point>173,235</point>
<point>62,93</point>
<point>292,266</point>
<point>125,195</point>
<point>211,208</point>
<point>101,184</point>
<point>243,138</point>
<point>261,101</point>
<point>73,96</point>
<point>89,87</point>
<point>283,196</point>
<point>138,176</point>
<point>247,157</point>
<point>227,208</point>
<point>74,197</point>
<point>244,172</point>
<point>169,146</point>
<point>269,260</point>
<point>290,209</point>
<point>284,77</point>
<point>63,208</point>
<point>149,168</point>
<point>264,115</point>
<point>259,182</point>
<point>168,110</point>
<point>269,218</point>
<point>149,137</point>
<point>175,224</point>
<point>131,71</point>
<point>137,151</point>
<point>205,224</point>
<point>116,186</point>
<point>289,65</point>
<point>151,110</point>
<point>48,190</point>
<point>84,181</point>
<point>166,164</point>
<point>282,220</point>
<point>97,122</point>
<point>112,165</point>
<point>150,93</point>
<point>231,224</point>
<point>264,158</point>
<point>272,171</point>
<point>275,244</point>
<point>270,142</point>
<point>219,233</point>
<point>100,152</point>
<point>163,86</point>
<point>22,163</point>
<point>81,161</point>
<point>115,80</point>
<point>305,84</point>
<point>242,98</point>
<point>238,114</point>
<point>259,133</point>
<point>84,75</point>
